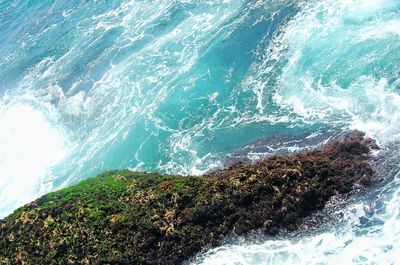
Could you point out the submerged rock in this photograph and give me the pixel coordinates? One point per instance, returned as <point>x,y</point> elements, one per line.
<point>124,217</point>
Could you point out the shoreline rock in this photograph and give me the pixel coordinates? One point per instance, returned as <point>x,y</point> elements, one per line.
<point>124,217</point>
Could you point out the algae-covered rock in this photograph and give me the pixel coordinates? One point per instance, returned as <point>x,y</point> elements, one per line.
<point>124,217</point>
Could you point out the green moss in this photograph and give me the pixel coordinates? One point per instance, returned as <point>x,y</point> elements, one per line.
<point>125,217</point>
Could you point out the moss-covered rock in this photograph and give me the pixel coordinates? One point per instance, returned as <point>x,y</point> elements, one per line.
<point>124,217</point>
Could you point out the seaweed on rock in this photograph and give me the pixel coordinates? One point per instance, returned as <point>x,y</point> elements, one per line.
<point>124,217</point>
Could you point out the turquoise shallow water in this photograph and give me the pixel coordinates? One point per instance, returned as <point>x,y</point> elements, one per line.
<point>179,86</point>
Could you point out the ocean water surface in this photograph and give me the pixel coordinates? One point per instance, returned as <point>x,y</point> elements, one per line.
<point>179,86</point>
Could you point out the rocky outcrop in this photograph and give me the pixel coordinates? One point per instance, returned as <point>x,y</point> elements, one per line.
<point>124,217</point>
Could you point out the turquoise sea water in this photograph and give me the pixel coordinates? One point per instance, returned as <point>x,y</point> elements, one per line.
<point>180,86</point>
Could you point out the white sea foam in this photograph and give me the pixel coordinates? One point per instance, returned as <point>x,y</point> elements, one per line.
<point>333,63</point>
<point>29,146</point>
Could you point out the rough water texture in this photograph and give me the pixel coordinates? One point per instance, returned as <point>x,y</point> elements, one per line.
<point>179,86</point>
<point>124,217</point>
